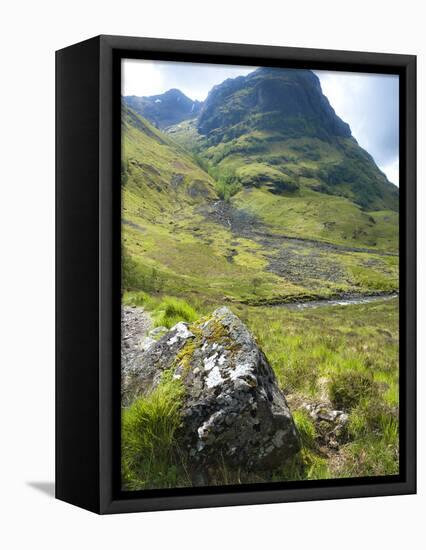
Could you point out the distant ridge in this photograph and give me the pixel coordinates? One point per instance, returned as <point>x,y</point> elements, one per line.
<point>165,109</point>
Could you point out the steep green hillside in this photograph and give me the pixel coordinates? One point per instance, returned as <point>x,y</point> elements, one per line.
<point>157,173</point>
<point>179,239</point>
<point>275,128</point>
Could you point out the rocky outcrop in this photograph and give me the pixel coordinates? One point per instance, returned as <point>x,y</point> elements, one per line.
<point>233,411</point>
<point>290,100</point>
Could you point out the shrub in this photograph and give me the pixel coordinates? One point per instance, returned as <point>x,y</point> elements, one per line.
<point>227,190</point>
<point>347,388</point>
<point>150,456</point>
<point>173,310</point>
<point>256,283</point>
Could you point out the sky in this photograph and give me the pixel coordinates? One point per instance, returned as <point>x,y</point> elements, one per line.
<point>369,103</point>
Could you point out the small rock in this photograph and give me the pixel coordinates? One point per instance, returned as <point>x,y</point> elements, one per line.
<point>146,343</point>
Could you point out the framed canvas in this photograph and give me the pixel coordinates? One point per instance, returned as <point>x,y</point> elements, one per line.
<point>236,291</point>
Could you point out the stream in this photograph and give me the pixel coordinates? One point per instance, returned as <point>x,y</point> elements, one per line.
<point>344,301</point>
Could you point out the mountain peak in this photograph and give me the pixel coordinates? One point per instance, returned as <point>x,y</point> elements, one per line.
<point>290,100</point>
<point>165,109</point>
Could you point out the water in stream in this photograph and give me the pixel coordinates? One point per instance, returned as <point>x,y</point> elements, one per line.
<point>340,301</point>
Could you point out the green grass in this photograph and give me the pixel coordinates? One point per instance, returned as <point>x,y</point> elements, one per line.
<point>370,456</point>
<point>313,215</point>
<point>150,457</point>
<point>172,311</point>
<point>165,310</point>
<point>350,356</point>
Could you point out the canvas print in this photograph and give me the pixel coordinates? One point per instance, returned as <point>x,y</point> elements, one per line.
<point>260,273</point>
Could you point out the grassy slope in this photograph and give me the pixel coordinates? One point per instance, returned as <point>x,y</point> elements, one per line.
<point>312,215</point>
<point>175,249</point>
<point>164,235</point>
<point>330,214</point>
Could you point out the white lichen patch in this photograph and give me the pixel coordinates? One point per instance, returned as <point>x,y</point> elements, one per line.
<point>202,432</point>
<point>221,359</point>
<point>182,333</point>
<point>210,362</point>
<point>214,378</point>
<point>241,370</point>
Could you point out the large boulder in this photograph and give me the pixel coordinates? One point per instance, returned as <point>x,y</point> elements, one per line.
<point>233,411</point>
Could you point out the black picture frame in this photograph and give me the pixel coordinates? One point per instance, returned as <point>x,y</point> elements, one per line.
<point>88,273</point>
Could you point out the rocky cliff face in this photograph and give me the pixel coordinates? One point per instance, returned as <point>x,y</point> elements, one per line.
<point>287,100</point>
<point>233,410</point>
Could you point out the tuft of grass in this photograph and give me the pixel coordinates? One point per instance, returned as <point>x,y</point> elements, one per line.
<point>139,298</point>
<point>349,387</point>
<point>173,310</point>
<point>166,310</point>
<point>305,427</point>
<point>150,457</point>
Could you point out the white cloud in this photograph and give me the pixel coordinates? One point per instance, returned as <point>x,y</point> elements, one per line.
<point>369,103</point>
<point>392,171</point>
<point>136,78</point>
<point>144,78</point>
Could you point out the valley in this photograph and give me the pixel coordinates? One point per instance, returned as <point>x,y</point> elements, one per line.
<point>261,200</point>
